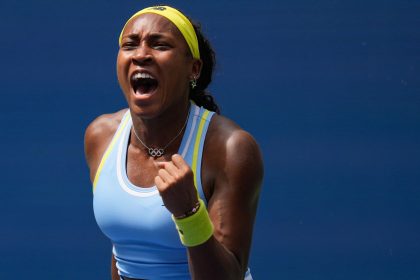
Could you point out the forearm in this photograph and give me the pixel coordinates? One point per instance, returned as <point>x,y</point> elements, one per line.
<point>211,260</point>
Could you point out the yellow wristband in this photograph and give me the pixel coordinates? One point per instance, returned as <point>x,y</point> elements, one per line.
<point>195,229</point>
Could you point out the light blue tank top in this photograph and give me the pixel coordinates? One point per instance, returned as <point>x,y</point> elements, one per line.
<point>145,241</point>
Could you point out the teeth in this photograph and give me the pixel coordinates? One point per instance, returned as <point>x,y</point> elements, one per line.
<point>143,76</point>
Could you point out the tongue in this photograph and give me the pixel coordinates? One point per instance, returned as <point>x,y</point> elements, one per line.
<point>143,89</point>
<point>146,86</point>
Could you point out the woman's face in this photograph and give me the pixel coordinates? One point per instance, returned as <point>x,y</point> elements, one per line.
<point>154,66</point>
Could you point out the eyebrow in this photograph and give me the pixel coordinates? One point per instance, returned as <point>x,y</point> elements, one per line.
<point>151,36</point>
<point>155,36</point>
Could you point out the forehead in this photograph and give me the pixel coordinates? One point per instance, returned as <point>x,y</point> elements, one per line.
<point>151,23</point>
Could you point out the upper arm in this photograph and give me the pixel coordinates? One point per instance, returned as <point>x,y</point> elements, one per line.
<point>233,203</point>
<point>92,141</point>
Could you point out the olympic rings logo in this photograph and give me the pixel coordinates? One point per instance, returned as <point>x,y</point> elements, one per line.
<point>155,152</point>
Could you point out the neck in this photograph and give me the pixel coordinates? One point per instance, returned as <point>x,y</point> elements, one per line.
<point>159,131</point>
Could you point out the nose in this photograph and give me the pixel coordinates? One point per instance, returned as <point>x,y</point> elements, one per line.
<point>142,56</point>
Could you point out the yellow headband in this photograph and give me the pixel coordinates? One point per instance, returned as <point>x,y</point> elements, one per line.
<point>180,21</point>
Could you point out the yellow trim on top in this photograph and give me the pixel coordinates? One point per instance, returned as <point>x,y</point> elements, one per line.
<point>197,145</point>
<point>109,149</point>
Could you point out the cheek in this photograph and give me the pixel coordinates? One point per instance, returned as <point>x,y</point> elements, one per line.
<point>177,67</point>
<point>122,68</point>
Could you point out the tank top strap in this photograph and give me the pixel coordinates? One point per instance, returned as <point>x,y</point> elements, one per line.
<point>203,123</point>
<point>111,147</point>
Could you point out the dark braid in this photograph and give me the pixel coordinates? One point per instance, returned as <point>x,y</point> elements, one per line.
<point>199,94</point>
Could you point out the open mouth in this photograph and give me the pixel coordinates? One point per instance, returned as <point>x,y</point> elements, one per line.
<point>143,83</point>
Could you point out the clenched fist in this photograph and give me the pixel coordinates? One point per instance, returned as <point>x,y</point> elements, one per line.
<point>175,183</point>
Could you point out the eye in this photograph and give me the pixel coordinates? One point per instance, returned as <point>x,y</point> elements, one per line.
<point>162,46</point>
<point>128,45</point>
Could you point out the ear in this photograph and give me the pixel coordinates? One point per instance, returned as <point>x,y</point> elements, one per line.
<point>196,68</point>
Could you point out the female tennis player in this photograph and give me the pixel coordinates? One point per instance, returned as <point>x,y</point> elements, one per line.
<point>176,185</point>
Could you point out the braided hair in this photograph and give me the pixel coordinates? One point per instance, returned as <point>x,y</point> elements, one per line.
<point>199,94</point>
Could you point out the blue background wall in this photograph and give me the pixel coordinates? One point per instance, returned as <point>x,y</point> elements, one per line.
<point>330,89</point>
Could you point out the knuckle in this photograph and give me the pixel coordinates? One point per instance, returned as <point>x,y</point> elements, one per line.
<point>177,176</point>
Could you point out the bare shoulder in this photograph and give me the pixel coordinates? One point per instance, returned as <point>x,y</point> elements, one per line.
<point>233,152</point>
<point>104,124</point>
<point>98,135</point>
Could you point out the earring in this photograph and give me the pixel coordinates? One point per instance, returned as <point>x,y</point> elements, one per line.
<point>193,82</point>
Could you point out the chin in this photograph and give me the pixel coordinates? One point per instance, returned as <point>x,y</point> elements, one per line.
<point>147,110</point>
